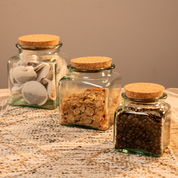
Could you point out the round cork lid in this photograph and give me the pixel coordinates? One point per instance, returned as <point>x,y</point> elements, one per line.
<point>39,40</point>
<point>91,62</point>
<point>144,90</point>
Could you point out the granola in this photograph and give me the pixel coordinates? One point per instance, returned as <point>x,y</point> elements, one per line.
<point>87,108</point>
<point>95,107</point>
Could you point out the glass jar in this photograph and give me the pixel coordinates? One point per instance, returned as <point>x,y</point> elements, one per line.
<point>88,97</point>
<point>34,73</point>
<point>142,126</point>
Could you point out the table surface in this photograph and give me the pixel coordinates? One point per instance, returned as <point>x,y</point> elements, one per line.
<point>33,144</point>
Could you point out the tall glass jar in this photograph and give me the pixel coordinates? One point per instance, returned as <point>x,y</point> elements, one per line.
<point>34,73</point>
<point>142,125</point>
<point>89,93</point>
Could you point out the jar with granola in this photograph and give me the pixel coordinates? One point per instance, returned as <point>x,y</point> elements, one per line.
<point>142,121</point>
<point>90,93</point>
<point>34,73</point>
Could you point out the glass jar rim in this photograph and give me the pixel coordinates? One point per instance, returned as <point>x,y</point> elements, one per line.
<point>70,67</point>
<point>38,47</point>
<point>124,96</point>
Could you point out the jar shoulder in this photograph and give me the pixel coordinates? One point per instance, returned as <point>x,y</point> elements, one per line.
<point>162,108</point>
<point>64,56</point>
<point>90,76</point>
<point>98,80</point>
<point>40,58</point>
<point>15,57</point>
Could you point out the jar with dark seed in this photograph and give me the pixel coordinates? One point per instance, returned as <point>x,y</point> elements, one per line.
<point>146,125</point>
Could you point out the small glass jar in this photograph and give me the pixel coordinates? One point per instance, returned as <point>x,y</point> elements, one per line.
<point>34,73</point>
<point>89,96</point>
<point>142,126</point>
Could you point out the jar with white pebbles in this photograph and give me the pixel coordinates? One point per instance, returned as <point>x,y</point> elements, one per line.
<point>34,73</point>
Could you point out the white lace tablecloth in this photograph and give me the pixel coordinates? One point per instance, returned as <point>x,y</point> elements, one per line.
<point>34,144</point>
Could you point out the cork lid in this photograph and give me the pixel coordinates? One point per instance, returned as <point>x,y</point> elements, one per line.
<point>39,40</point>
<point>91,62</point>
<point>144,90</point>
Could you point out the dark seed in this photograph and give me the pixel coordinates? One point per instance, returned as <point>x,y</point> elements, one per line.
<point>137,142</point>
<point>139,131</point>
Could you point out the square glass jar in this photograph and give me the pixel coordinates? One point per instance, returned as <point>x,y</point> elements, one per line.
<point>34,73</point>
<point>142,126</point>
<point>88,97</point>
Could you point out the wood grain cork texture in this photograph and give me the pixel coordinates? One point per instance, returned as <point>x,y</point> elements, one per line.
<point>144,90</point>
<point>91,62</point>
<point>39,40</point>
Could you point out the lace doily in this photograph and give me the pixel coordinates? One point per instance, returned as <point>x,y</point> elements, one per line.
<point>34,144</point>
